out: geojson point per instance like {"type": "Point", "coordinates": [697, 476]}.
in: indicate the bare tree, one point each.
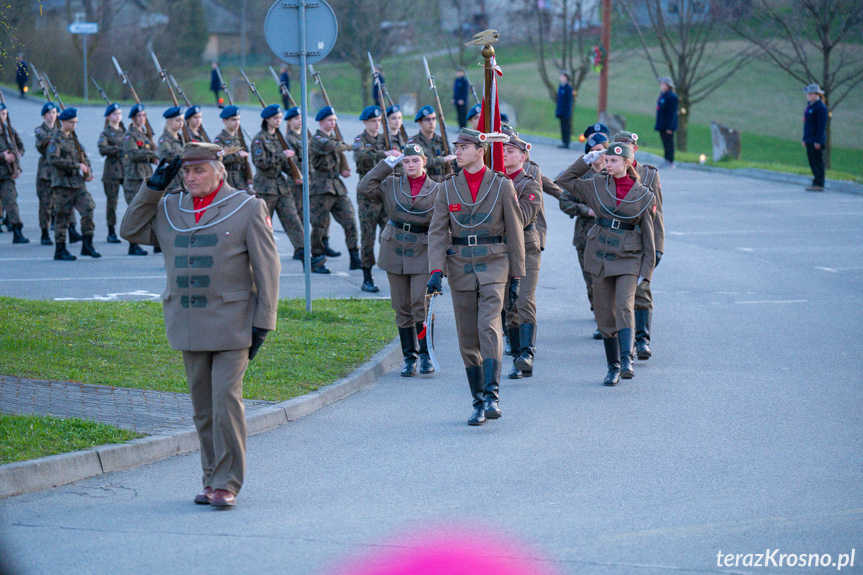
{"type": "Point", "coordinates": [818, 42]}
{"type": "Point", "coordinates": [686, 32]}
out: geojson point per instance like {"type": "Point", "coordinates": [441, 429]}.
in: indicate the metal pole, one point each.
{"type": "Point", "coordinates": [606, 44]}
{"type": "Point", "coordinates": [307, 227]}
{"type": "Point", "coordinates": [488, 54]}
{"type": "Point", "coordinates": [84, 40]}
{"type": "Point", "coordinates": [243, 26]}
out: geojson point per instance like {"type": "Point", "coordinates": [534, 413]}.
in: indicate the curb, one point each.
{"type": "Point", "coordinates": [46, 472]}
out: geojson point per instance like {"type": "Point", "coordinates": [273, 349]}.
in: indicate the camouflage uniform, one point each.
{"type": "Point", "coordinates": [398, 142]}
{"type": "Point", "coordinates": [583, 222]}
{"type": "Point", "coordinates": [43, 175]}
{"type": "Point", "coordinates": [433, 148]}
{"type": "Point", "coordinates": [8, 191]}
{"type": "Point", "coordinates": [139, 154]}
{"type": "Point", "coordinates": [368, 151]}
{"type": "Point", "coordinates": [272, 186]}
{"type": "Point", "coordinates": [170, 146]}
{"type": "Point", "coordinates": [234, 163]}
{"type": "Point", "coordinates": [111, 146]}
{"type": "Point", "coordinates": [68, 187]}
{"type": "Point", "coordinates": [327, 192]}
{"type": "Point", "coordinates": [295, 142]}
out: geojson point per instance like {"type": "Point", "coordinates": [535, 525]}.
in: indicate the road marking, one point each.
{"type": "Point", "coordinates": [13, 280]}
{"type": "Point", "coordinates": [748, 250]}
{"type": "Point", "coordinates": [831, 270]}
{"type": "Point", "coordinates": [110, 296]}
{"type": "Point", "coordinates": [772, 301]}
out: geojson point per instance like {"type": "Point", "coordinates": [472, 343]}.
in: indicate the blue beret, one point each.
{"type": "Point", "coordinates": [229, 112]}
{"type": "Point", "coordinates": [393, 109]}
{"type": "Point", "coordinates": [324, 112]}
{"type": "Point", "coordinates": [594, 139]}
{"type": "Point", "coordinates": [136, 109]}
{"type": "Point", "coordinates": [2, 106]}
{"type": "Point", "coordinates": [473, 112]}
{"type": "Point", "coordinates": [48, 107]}
{"type": "Point", "coordinates": [292, 112]}
{"type": "Point", "coordinates": [423, 112]}
{"type": "Point", "coordinates": [271, 111]}
{"type": "Point", "coordinates": [594, 128]}
{"type": "Point", "coordinates": [192, 110]}
{"type": "Point", "coordinates": [172, 112]}
{"type": "Point", "coordinates": [370, 113]}
{"type": "Point", "coordinates": [108, 111]}
{"type": "Point", "coordinates": [504, 118]}
{"type": "Point", "coordinates": [68, 114]}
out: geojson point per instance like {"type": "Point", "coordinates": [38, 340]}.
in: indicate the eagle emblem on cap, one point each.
{"type": "Point", "coordinates": [597, 127]}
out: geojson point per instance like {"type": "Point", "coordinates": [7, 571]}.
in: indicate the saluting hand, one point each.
{"type": "Point", "coordinates": [591, 157]}
{"type": "Point", "coordinates": [164, 174]}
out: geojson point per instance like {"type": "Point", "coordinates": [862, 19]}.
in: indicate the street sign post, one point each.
{"type": "Point", "coordinates": [302, 32]}
{"type": "Point", "coordinates": [85, 29]}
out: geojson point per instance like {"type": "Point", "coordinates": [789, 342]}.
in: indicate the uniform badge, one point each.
{"type": "Point", "coordinates": [52, 148]}
{"type": "Point", "coordinates": [455, 207]}
{"type": "Point", "coordinates": [269, 222]}
{"type": "Point", "coordinates": [140, 143]}
{"type": "Point", "coordinates": [654, 208]}
{"type": "Point", "coordinates": [531, 197]}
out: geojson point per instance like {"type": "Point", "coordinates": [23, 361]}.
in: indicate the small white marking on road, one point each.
{"type": "Point", "coordinates": [831, 270]}
{"type": "Point", "coordinates": [111, 296]}
{"type": "Point", "coordinates": [772, 301]}
{"type": "Point", "coordinates": [746, 250]}
{"type": "Point", "coordinates": [87, 279]}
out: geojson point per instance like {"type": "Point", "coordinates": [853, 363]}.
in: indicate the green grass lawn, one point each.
{"type": "Point", "coordinates": [28, 437]}
{"type": "Point", "coordinates": [124, 344]}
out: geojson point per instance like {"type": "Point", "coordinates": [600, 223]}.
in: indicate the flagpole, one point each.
{"type": "Point", "coordinates": [488, 55]}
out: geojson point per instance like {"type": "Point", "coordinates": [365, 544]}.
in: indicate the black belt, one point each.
{"type": "Point", "coordinates": [614, 224]}
{"type": "Point", "coordinates": [476, 240]}
{"type": "Point", "coordinates": [408, 227]}
{"type": "Point", "coordinates": [530, 227]}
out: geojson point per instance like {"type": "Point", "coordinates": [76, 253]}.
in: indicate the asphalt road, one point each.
{"type": "Point", "coordinates": [742, 434]}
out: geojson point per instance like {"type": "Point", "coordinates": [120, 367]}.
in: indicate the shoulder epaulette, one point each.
{"type": "Point", "coordinates": [501, 174]}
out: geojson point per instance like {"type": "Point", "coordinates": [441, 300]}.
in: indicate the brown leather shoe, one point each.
{"type": "Point", "coordinates": [204, 497]}
{"type": "Point", "coordinates": [222, 499]}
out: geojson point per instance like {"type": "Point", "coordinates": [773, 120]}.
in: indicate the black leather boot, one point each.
{"type": "Point", "coordinates": [369, 282]}
{"type": "Point", "coordinates": [597, 335]}
{"type": "Point", "coordinates": [515, 346]}
{"type": "Point", "coordinates": [19, 237]}
{"type": "Point", "coordinates": [356, 263]}
{"type": "Point", "coordinates": [136, 250]}
{"type": "Point", "coordinates": [62, 254]}
{"type": "Point", "coordinates": [426, 366]}
{"type": "Point", "coordinates": [642, 333]}
{"type": "Point", "coordinates": [299, 254]}
{"type": "Point", "coordinates": [46, 239]}
{"type": "Point", "coordinates": [491, 387]}
{"type": "Point", "coordinates": [625, 337]}
{"type": "Point", "coordinates": [474, 379]}
{"type": "Point", "coordinates": [612, 356]}
{"type": "Point", "coordinates": [410, 350]}
{"type": "Point", "coordinates": [74, 236]}
{"type": "Point", "coordinates": [87, 248]}
{"type": "Point", "coordinates": [527, 338]}
{"type": "Point", "coordinates": [157, 249]}
{"type": "Point", "coordinates": [328, 251]}
{"type": "Point", "coordinates": [507, 345]}
{"type": "Point", "coordinates": [318, 266]}
{"type": "Point", "coordinates": [112, 236]}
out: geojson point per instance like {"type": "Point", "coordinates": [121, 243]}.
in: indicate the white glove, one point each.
{"type": "Point", "coordinates": [393, 161]}
{"type": "Point", "coordinates": [591, 157]}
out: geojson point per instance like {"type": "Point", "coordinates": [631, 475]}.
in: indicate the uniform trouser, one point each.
{"type": "Point", "coordinates": [216, 385]}
{"type": "Point", "coordinates": [9, 200]}
{"type": "Point", "coordinates": [643, 296]}
{"type": "Point", "coordinates": [130, 188]}
{"type": "Point", "coordinates": [524, 310]}
{"type": "Point", "coordinates": [66, 200]}
{"type": "Point", "coordinates": [372, 215]}
{"type": "Point", "coordinates": [565, 130]}
{"type": "Point", "coordinates": [816, 163]}
{"type": "Point", "coordinates": [112, 191]}
{"type": "Point", "coordinates": [614, 303]}
{"type": "Point", "coordinates": [46, 202]}
{"type": "Point", "coordinates": [582, 226]}
{"type": "Point", "coordinates": [321, 206]}
{"type": "Point", "coordinates": [667, 144]}
{"type": "Point", "coordinates": [461, 112]}
{"type": "Point", "coordinates": [283, 205]}
{"type": "Point", "coordinates": [478, 322]}
{"type": "Point", "coordinates": [408, 296]}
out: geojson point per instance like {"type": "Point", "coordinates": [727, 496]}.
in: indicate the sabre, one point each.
{"type": "Point", "coordinates": [428, 327]}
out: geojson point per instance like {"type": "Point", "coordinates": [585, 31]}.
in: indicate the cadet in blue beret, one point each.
{"type": "Point", "coordinates": [50, 106]}
{"type": "Point", "coordinates": [292, 113]}
{"type": "Point", "coordinates": [10, 164]}
{"type": "Point", "coordinates": [172, 112]}
{"type": "Point", "coordinates": [2, 106]}
{"type": "Point", "coordinates": [171, 141]}
{"type": "Point", "coordinates": [504, 118]}
{"type": "Point", "coordinates": [111, 148]}
{"type": "Point", "coordinates": [473, 117]}
{"type": "Point", "coordinates": [398, 137]}
{"type": "Point", "coordinates": [67, 114]}
{"type": "Point", "coordinates": [136, 109]}
{"type": "Point", "coordinates": [229, 112]}
{"type": "Point", "coordinates": [111, 109]}
{"type": "Point", "coordinates": [393, 109]}
{"type": "Point", "coordinates": [594, 140]}
{"type": "Point", "coordinates": [594, 129]}
{"type": "Point", "coordinates": [195, 121]}
{"type": "Point", "coordinates": [369, 149]}
{"type": "Point", "coordinates": [44, 133]}
{"type": "Point", "coordinates": [423, 113]}
{"type": "Point", "coordinates": [139, 155]}
{"type": "Point", "coordinates": [324, 112]}
{"type": "Point", "coordinates": [370, 112]}
{"type": "Point", "coordinates": [237, 164]}
{"type": "Point", "coordinates": [269, 112]}
{"type": "Point", "coordinates": [431, 143]}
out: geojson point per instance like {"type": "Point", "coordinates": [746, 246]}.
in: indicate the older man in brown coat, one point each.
{"type": "Point", "coordinates": [221, 299]}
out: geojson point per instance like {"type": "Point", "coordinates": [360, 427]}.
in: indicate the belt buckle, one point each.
{"type": "Point", "coordinates": [615, 224]}
{"type": "Point", "coordinates": [406, 227]}
{"type": "Point", "coordinates": [472, 241]}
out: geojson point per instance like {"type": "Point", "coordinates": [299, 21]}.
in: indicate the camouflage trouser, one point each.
{"type": "Point", "coordinates": [322, 205]}
{"type": "Point", "coordinates": [112, 191]}
{"type": "Point", "coordinates": [582, 226]}
{"type": "Point", "coordinates": [66, 200]}
{"type": "Point", "coordinates": [372, 214]}
{"type": "Point", "coordinates": [130, 188]}
{"type": "Point", "coordinates": [46, 202]}
{"type": "Point", "coordinates": [297, 192]}
{"type": "Point", "coordinates": [9, 201]}
{"type": "Point", "coordinates": [643, 296]}
{"type": "Point", "coordinates": [283, 206]}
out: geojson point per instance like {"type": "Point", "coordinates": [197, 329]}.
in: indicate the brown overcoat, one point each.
{"type": "Point", "coordinates": [650, 177]}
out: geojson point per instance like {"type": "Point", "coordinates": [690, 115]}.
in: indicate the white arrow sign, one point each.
{"type": "Point", "coordinates": [84, 27]}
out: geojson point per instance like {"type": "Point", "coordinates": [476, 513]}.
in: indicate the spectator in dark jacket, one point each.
{"type": "Point", "coordinates": [815, 135]}
{"type": "Point", "coordinates": [22, 74]}
{"type": "Point", "coordinates": [564, 108]}
{"type": "Point", "coordinates": [285, 78]}
{"type": "Point", "coordinates": [215, 85]}
{"type": "Point", "coordinates": [460, 90]}
{"type": "Point", "coordinates": [666, 118]}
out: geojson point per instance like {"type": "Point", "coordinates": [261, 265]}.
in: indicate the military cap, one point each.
{"type": "Point", "coordinates": [518, 143]}
{"type": "Point", "coordinates": [666, 80]}
{"type": "Point", "coordinates": [393, 109]}
{"type": "Point", "coordinates": [413, 150]}
{"type": "Point", "coordinates": [508, 130]}
{"type": "Point", "coordinates": [423, 112]}
{"type": "Point", "coordinates": [324, 113]}
{"type": "Point", "coordinates": [192, 110]}
{"type": "Point", "coordinates": [594, 139]}
{"type": "Point", "coordinates": [292, 112]}
{"type": "Point", "coordinates": [68, 114]}
{"type": "Point", "coordinates": [626, 137]}
{"type": "Point", "coordinates": [136, 109]}
{"type": "Point", "coordinates": [229, 112]}
{"type": "Point", "coordinates": [50, 106]}
{"type": "Point", "coordinates": [813, 89]}
{"type": "Point", "coordinates": [620, 149]}
{"type": "Point", "coordinates": [474, 111]}
{"type": "Point", "coordinates": [108, 111]}
{"type": "Point", "coordinates": [195, 153]}
{"type": "Point", "coordinates": [597, 127]}
{"type": "Point", "coordinates": [271, 111]}
{"type": "Point", "coordinates": [370, 112]}
{"type": "Point", "coordinates": [172, 112]}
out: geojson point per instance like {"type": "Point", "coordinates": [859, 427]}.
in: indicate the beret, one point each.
{"type": "Point", "coordinates": [324, 113]}
{"type": "Point", "coordinates": [370, 113]}
{"type": "Point", "coordinates": [2, 106]}
{"type": "Point", "coordinates": [504, 118]}
{"type": "Point", "coordinates": [423, 113]}
{"type": "Point", "coordinates": [136, 109]}
{"type": "Point", "coordinates": [108, 111]}
{"type": "Point", "coordinates": [593, 140]}
{"type": "Point", "coordinates": [292, 112]}
{"type": "Point", "coordinates": [473, 112]}
{"type": "Point", "coordinates": [50, 106]}
{"type": "Point", "coordinates": [192, 110]}
{"type": "Point", "coordinates": [229, 112]}
{"type": "Point", "coordinates": [172, 112]}
{"type": "Point", "coordinates": [68, 114]}
{"type": "Point", "coordinates": [271, 111]}
{"type": "Point", "coordinates": [594, 128]}
{"type": "Point", "coordinates": [393, 109]}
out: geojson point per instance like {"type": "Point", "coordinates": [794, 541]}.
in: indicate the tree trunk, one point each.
{"type": "Point", "coordinates": [682, 123]}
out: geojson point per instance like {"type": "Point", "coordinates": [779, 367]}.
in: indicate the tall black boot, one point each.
{"type": "Point", "coordinates": [87, 248]}
{"type": "Point", "coordinates": [642, 333]}
{"type": "Point", "coordinates": [62, 254]}
{"type": "Point", "coordinates": [46, 239]}
{"type": "Point", "coordinates": [19, 237]}
{"type": "Point", "coordinates": [612, 356]}
{"type": "Point", "coordinates": [356, 263]}
{"type": "Point", "coordinates": [625, 337]}
{"type": "Point", "coordinates": [491, 387]}
{"type": "Point", "coordinates": [474, 379]}
{"type": "Point", "coordinates": [515, 346]}
{"type": "Point", "coordinates": [328, 251]}
{"type": "Point", "coordinates": [527, 337]}
{"type": "Point", "coordinates": [136, 250]}
{"type": "Point", "coordinates": [410, 350]}
{"type": "Point", "coordinates": [369, 282]}
{"type": "Point", "coordinates": [74, 236]}
{"type": "Point", "coordinates": [426, 366]}
{"type": "Point", "coordinates": [112, 236]}
{"type": "Point", "coordinates": [507, 345]}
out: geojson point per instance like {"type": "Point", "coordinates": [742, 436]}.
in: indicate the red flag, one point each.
{"type": "Point", "coordinates": [496, 147]}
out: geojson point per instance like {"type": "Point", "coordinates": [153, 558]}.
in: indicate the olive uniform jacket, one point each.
{"type": "Point", "coordinates": [170, 146]}
{"type": "Point", "coordinates": [368, 151]}
{"type": "Point", "coordinates": [139, 153]}
{"type": "Point", "coordinates": [650, 177]}
{"type": "Point", "coordinates": [234, 163]}
{"type": "Point", "coordinates": [325, 159]}
{"type": "Point", "coordinates": [495, 213]}
{"type": "Point", "coordinates": [530, 202]}
{"type": "Point", "coordinates": [64, 158]}
{"type": "Point", "coordinates": [609, 251]}
{"type": "Point", "coordinates": [223, 272]}
{"type": "Point", "coordinates": [402, 251]}
{"type": "Point", "coordinates": [111, 146]}
{"type": "Point", "coordinates": [5, 168]}
{"type": "Point", "coordinates": [43, 137]}
{"type": "Point", "coordinates": [270, 163]}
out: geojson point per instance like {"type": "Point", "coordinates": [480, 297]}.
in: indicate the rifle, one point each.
{"type": "Point", "coordinates": [188, 105]}
{"type": "Point", "coordinates": [125, 77]}
{"type": "Point", "coordinates": [107, 100]}
{"type": "Point", "coordinates": [385, 124]}
{"type": "Point", "coordinates": [185, 135]}
{"type": "Point", "coordinates": [386, 95]}
{"type": "Point", "coordinates": [10, 140]}
{"type": "Point", "coordinates": [247, 167]}
{"type": "Point", "coordinates": [472, 89]}
{"type": "Point", "coordinates": [433, 88]}
{"type": "Point", "coordinates": [81, 153]}
{"type": "Point", "coordinates": [343, 161]}
{"type": "Point", "coordinates": [285, 92]}
{"type": "Point", "coordinates": [295, 170]}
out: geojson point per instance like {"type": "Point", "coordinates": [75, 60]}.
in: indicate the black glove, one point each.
{"type": "Point", "coordinates": [658, 257]}
{"type": "Point", "coordinates": [258, 337]}
{"type": "Point", "coordinates": [513, 291]}
{"type": "Point", "coordinates": [435, 284]}
{"type": "Point", "coordinates": [164, 174]}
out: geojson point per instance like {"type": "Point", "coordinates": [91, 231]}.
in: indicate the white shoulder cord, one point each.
{"type": "Point", "coordinates": [487, 216]}
{"type": "Point", "coordinates": [615, 214]}
{"type": "Point", "coordinates": [401, 191]}
{"type": "Point", "coordinates": [211, 224]}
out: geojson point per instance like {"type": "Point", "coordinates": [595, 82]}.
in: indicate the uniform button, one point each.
{"type": "Point", "coordinates": [192, 282]}
{"type": "Point", "coordinates": [191, 261]}
{"type": "Point", "coordinates": [192, 241]}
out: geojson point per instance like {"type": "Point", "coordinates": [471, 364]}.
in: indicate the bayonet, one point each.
{"type": "Point", "coordinates": [343, 160]}
{"type": "Point", "coordinates": [41, 82]}
{"type": "Point", "coordinates": [441, 121]}
{"type": "Point", "coordinates": [387, 97]}
{"type": "Point", "coordinates": [385, 127]}
{"type": "Point", "coordinates": [125, 77]}
{"type": "Point", "coordinates": [224, 86]}
{"type": "Point", "coordinates": [101, 91]}
{"type": "Point", "coordinates": [119, 69]}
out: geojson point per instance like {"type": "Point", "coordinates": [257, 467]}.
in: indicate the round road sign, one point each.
{"type": "Point", "coordinates": [282, 30]}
